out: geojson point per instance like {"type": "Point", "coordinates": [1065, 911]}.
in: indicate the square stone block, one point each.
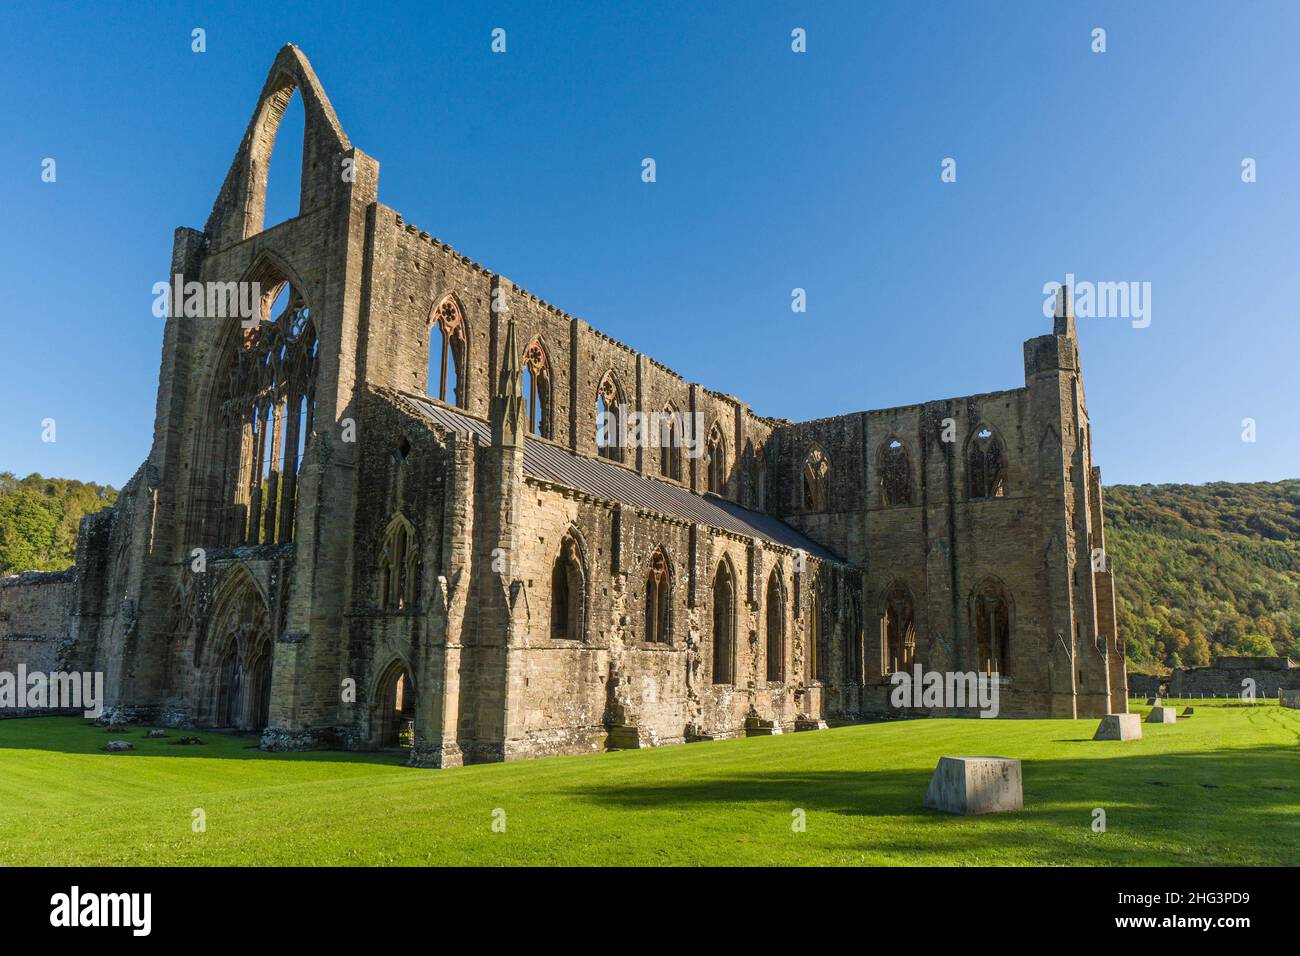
{"type": "Point", "coordinates": [1162, 715]}
{"type": "Point", "coordinates": [972, 785]}
{"type": "Point", "coordinates": [1119, 727]}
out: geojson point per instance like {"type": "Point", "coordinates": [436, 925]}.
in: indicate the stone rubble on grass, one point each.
{"type": "Point", "coordinates": [119, 746]}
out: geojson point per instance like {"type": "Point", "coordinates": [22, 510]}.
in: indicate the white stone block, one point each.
{"type": "Point", "coordinates": [971, 785]}
{"type": "Point", "coordinates": [1119, 727]}
{"type": "Point", "coordinates": [1162, 715]}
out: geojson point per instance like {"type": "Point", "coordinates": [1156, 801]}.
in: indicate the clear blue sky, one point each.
{"type": "Point", "coordinates": [775, 171]}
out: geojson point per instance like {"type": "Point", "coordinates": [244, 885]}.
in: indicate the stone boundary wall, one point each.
{"type": "Point", "coordinates": [35, 616]}
{"type": "Point", "coordinates": [1224, 677]}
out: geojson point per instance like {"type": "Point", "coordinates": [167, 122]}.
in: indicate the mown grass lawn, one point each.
{"type": "Point", "coordinates": [1222, 787]}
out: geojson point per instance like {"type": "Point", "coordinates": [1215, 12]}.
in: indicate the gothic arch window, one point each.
{"type": "Point", "coordinates": [609, 418]}
{"type": "Point", "coordinates": [815, 473]}
{"type": "Point", "coordinates": [537, 389]}
{"type": "Point", "coordinates": [717, 458]}
{"type": "Point", "coordinates": [897, 631]}
{"type": "Point", "coordinates": [818, 637]}
{"type": "Point", "coordinates": [724, 624]}
{"type": "Point", "coordinates": [568, 592]}
{"type": "Point", "coordinates": [991, 613]}
{"type": "Point", "coordinates": [895, 473]}
{"type": "Point", "coordinates": [853, 657]}
{"type": "Point", "coordinates": [775, 624]}
{"type": "Point", "coordinates": [658, 600]}
{"type": "Point", "coordinates": [670, 445]}
{"type": "Point", "coordinates": [397, 566]}
{"type": "Point", "coordinates": [986, 465]}
{"type": "Point", "coordinates": [264, 414]}
{"type": "Point", "coordinates": [448, 351]}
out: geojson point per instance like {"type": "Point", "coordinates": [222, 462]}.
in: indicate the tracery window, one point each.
{"type": "Point", "coordinates": [609, 411]}
{"type": "Point", "coordinates": [992, 625]}
{"type": "Point", "coordinates": [986, 465]}
{"type": "Point", "coordinates": [898, 631]}
{"type": "Point", "coordinates": [895, 473]}
{"type": "Point", "coordinates": [537, 389]}
{"type": "Point", "coordinates": [814, 475]}
{"type": "Point", "coordinates": [397, 562]}
{"type": "Point", "coordinates": [266, 416]}
{"type": "Point", "coordinates": [448, 348]}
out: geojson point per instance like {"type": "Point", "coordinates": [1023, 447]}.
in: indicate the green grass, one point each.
{"type": "Point", "coordinates": [1222, 787]}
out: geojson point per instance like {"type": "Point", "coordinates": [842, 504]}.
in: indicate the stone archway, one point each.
{"type": "Point", "coordinates": [393, 709]}
{"type": "Point", "coordinates": [237, 668]}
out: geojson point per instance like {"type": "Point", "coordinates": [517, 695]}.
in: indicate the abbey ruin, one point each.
{"type": "Point", "coordinates": [392, 510]}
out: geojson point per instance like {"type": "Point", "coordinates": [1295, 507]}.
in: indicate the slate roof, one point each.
{"type": "Point", "coordinates": [603, 479]}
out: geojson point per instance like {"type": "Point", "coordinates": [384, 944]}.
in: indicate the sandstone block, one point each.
{"type": "Point", "coordinates": [1119, 727]}
{"type": "Point", "coordinates": [1162, 715]}
{"type": "Point", "coordinates": [973, 785]}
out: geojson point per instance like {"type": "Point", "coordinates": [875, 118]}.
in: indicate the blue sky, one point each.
{"type": "Point", "coordinates": [775, 170]}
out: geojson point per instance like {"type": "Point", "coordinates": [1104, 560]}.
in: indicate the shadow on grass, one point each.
{"type": "Point", "coordinates": [1230, 808]}
{"type": "Point", "coordinates": [75, 735]}
{"type": "Point", "coordinates": [1188, 796]}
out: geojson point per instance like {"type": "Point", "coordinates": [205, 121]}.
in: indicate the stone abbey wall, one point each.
{"type": "Point", "coordinates": [409, 574]}
{"type": "Point", "coordinates": [35, 619]}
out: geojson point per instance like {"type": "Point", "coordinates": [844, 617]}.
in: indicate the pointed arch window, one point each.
{"type": "Point", "coordinates": [986, 465]}
{"type": "Point", "coordinates": [775, 623]}
{"type": "Point", "coordinates": [670, 445]}
{"type": "Point", "coordinates": [897, 631]}
{"type": "Point", "coordinates": [658, 600]}
{"type": "Point", "coordinates": [264, 415]}
{"type": "Point", "coordinates": [724, 625]}
{"type": "Point", "coordinates": [448, 351]}
{"type": "Point", "coordinates": [537, 389]}
{"type": "Point", "coordinates": [816, 470]}
{"type": "Point", "coordinates": [991, 610]}
{"type": "Point", "coordinates": [818, 638]}
{"type": "Point", "coordinates": [853, 648]}
{"type": "Point", "coordinates": [609, 425]}
{"type": "Point", "coordinates": [717, 458]}
{"type": "Point", "coordinates": [397, 561]}
{"type": "Point", "coordinates": [568, 592]}
{"type": "Point", "coordinates": [895, 473]}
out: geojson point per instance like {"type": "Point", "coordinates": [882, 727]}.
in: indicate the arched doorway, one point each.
{"type": "Point", "coordinates": [239, 662]}
{"type": "Point", "coordinates": [394, 719]}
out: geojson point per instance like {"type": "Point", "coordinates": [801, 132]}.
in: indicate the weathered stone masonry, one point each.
{"type": "Point", "coordinates": [334, 543]}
